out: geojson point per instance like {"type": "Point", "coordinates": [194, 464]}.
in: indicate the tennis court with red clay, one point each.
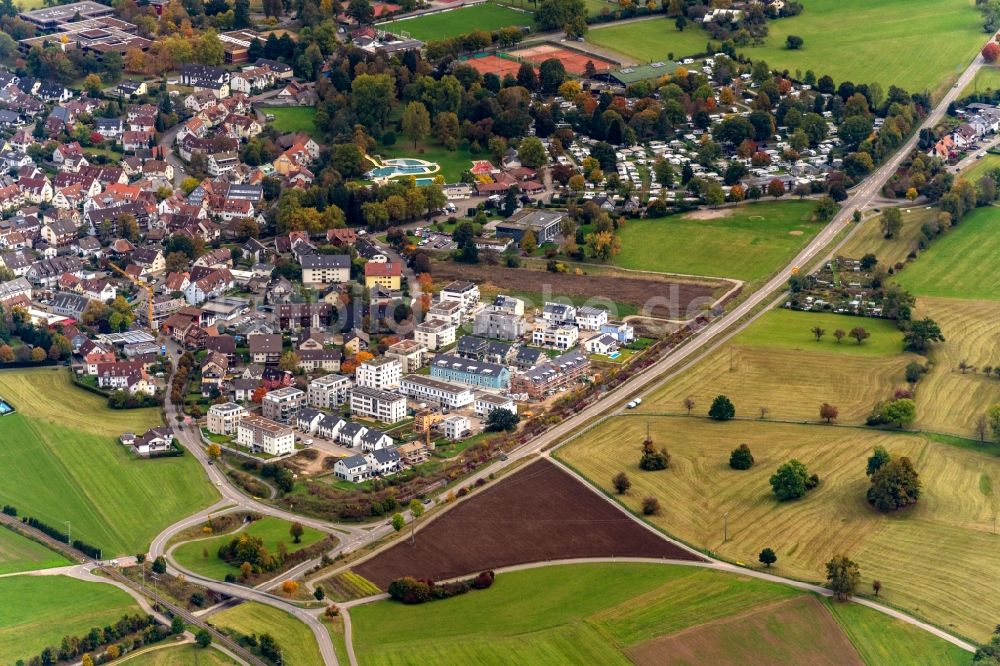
{"type": "Point", "coordinates": [574, 61]}
{"type": "Point", "coordinates": [492, 64]}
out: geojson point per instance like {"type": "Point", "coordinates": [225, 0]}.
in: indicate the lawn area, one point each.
{"type": "Point", "coordinates": [981, 167]}
{"type": "Point", "coordinates": [180, 655]}
{"type": "Point", "coordinates": [37, 611]}
{"type": "Point", "coordinates": [951, 523]}
{"type": "Point", "coordinates": [747, 243]}
{"type": "Point", "coordinates": [273, 531]}
{"type": "Point", "coordinates": [289, 119]}
{"type": "Point", "coordinates": [602, 614]}
{"type": "Point", "coordinates": [456, 22]}
{"type": "Point", "coordinates": [649, 41]}
{"type": "Point", "coordinates": [296, 641]}
{"type": "Point", "coordinates": [889, 251]}
{"type": "Point", "coordinates": [949, 400]}
{"type": "Point", "coordinates": [987, 78]}
{"type": "Point", "coordinates": [594, 7]}
{"type": "Point", "coordinates": [452, 162]}
{"type": "Point", "coordinates": [960, 264]}
{"type": "Point", "coordinates": [775, 362]}
{"type": "Point", "coordinates": [791, 329]}
{"type": "Point", "coordinates": [61, 460]}
{"type": "Point", "coordinates": [19, 553]}
{"type": "Point", "coordinates": [843, 38]}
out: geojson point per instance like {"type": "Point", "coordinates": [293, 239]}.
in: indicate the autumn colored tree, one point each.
{"type": "Point", "coordinates": [776, 188]}
{"type": "Point", "coordinates": [289, 587]}
{"type": "Point", "coordinates": [258, 395]}
{"type": "Point", "coordinates": [991, 52]}
{"type": "Point", "coordinates": [828, 412]}
{"type": "Point", "coordinates": [214, 451]}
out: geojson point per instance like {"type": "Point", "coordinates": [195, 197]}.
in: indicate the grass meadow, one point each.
{"type": "Point", "coordinates": [61, 461]}
{"type": "Point", "coordinates": [607, 614]}
{"type": "Point", "coordinates": [456, 22]}
{"type": "Point", "coordinates": [180, 655]}
{"type": "Point", "coordinates": [777, 363]}
{"type": "Point", "coordinates": [961, 263]}
{"type": "Point", "coordinates": [37, 611]}
{"type": "Point", "coordinates": [747, 243]}
{"type": "Point", "coordinates": [888, 251]}
{"type": "Point", "coordinates": [19, 553]}
{"type": "Point", "coordinates": [953, 521]}
{"type": "Point", "coordinates": [191, 555]}
{"type": "Point", "coordinates": [296, 641]}
{"type": "Point", "coordinates": [847, 39]}
{"type": "Point", "coordinates": [288, 119]}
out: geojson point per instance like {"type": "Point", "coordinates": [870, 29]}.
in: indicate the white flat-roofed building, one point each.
{"type": "Point", "coordinates": [225, 418]}
{"type": "Point", "coordinates": [320, 270]}
{"type": "Point", "coordinates": [283, 404]}
{"type": "Point", "coordinates": [591, 319]}
{"type": "Point", "coordinates": [379, 405]}
{"type": "Point", "coordinates": [555, 337]}
{"type": "Point", "coordinates": [409, 353]}
{"type": "Point", "coordinates": [435, 334]}
{"type": "Point", "coordinates": [447, 311]}
{"type": "Point", "coordinates": [434, 391]}
{"type": "Point", "coordinates": [455, 427]}
{"type": "Point", "coordinates": [328, 391]}
{"type": "Point", "coordinates": [487, 402]}
{"type": "Point", "coordinates": [379, 373]}
{"type": "Point", "coordinates": [260, 434]}
{"type": "Point", "coordinates": [462, 292]}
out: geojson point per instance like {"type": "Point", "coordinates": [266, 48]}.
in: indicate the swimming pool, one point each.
{"type": "Point", "coordinates": [5, 407]}
{"type": "Point", "coordinates": [424, 182]}
{"type": "Point", "coordinates": [401, 166]}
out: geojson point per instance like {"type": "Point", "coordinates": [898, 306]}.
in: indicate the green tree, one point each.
{"type": "Point", "coordinates": [446, 129]}
{"type": "Point", "coordinates": [791, 481]}
{"type": "Point", "coordinates": [895, 485]}
{"type": "Point", "coordinates": [531, 152]}
{"type": "Point", "coordinates": [416, 508]}
{"type": "Point", "coordinates": [556, 14]}
{"type": "Point", "coordinates": [653, 460]}
{"type": "Point", "coordinates": [722, 409]}
{"type": "Point", "coordinates": [296, 531]}
{"type": "Point", "coordinates": [372, 96]}
{"type": "Point", "coordinates": [891, 221]}
{"type": "Point", "coordinates": [289, 361]}
{"type": "Point", "coordinates": [741, 458]}
{"type": "Point", "coordinates": [416, 122]}
{"type": "Point", "coordinates": [843, 576]}
{"type": "Point", "coordinates": [241, 14]}
{"type": "Point", "coordinates": [794, 42]}
{"type": "Point", "coordinates": [318, 594]}
{"type": "Point", "coordinates": [551, 74]}
{"type": "Point", "coordinates": [877, 459]}
{"type": "Point", "coordinates": [528, 243]}
{"type": "Point", "coordinates": [860, 334]}
{"type": "Point", "coordinates": [159, 565]}
{"type": "Point", "coordinates": [177, 625]}
{"type": "Point", "coordinates": [920, 334]}
{"type": "Point", "coordinates": [501, 419]}
{"type": "Point", "coordinates": [361, 11]}
{"type": "Point", "coordinates": [767, 557]}
{"type": "Point", "coordinates": [203, 638]}
{"type": "Point", "coordinates": [899, 412]}
{"type": "Point", "coordinates": [398, 522]}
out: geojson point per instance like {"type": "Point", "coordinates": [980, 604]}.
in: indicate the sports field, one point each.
{"type": "Point", "coordinates": [192, 555]}
{"type": "Point", "coordinates": [846, 39]}
{"type": "Point", "coordinates": [492, 64]}
{"type": "Point", "coordinates": [456, 22]}
{"type": "Point", "coordinates": [616, 614]}
{"type": "Point", "coordinates": [61, 461]}
{"type": "Point", "coordinates": [777, 364]}
{"type": "Point", "coordinates": [952, 523]}
{"type": "Point", "coordinates": [180, 655]}
{"type": "Point", "coordinates": [18, 553]}
{"type": "Point", "coordinates": [296, 641]}
{"type": "Point", "coordinates": [962, 263]}
{"type": "Point", "coordinates": [37, 611]}
{"type": "Point", "coordinates": [747, 243]}
{"type": "Point", "coordinates": [574, 61]}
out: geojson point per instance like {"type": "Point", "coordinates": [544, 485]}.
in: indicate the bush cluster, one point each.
{"type": "Point", "coordinates": [409, 590]}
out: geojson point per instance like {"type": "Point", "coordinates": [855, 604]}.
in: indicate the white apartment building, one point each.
{"type": "Point", "coordinates": [434, 334]}
{"type": "Point", "coordinates": [379, 373]}
{"type": "Point", "coordinates": [328, 391]}
{"type": "Point", "coordinates": [371, 403]}
{"type": "Point", "coordinates": [454, 427]}
{"type": "Point", "coordinates": [223, 419]}
{"type": "Point", "coordinates": [555, 337]}
{"type": "Point", "coordinates": [591, 319]}
{"type": "Point", "coordinates": [260, 434]}
{"type": "Point", "coordinates": [462, 292]}
{"type": "Point", "coordinates": [446, 311]}
{"type": "Point", "coordinates": [436, 392]}
{"type": "Point", "coordinates": [487, 402]}
{"type": "Point", "coordinates": [282, 405]}
{"type": "Point", "coordinates": [320, 270]}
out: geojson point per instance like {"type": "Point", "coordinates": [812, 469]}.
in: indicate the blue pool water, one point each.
{"type": "Point", "coordinates": [381, 172]}
{"type": "Point", "coordinates": [406, 161]}
{"type": "Point", "coordinates": [424, 182]}
{"type": "Point", "coordinates": [5, 408]}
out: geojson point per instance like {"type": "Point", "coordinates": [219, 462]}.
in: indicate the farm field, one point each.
{"type": "Point", "coordinates": [777, 364]}
{"type": "Point", "coordinates": [456, 22]}
{"type": "Point", "coordinates": [181, 655]}
{"type": "Point", "coordinates": [960, 264]}
{"type": "Point", "coordinates": [949, 400]}
{"type": "Point", "coordinates": [888, 251]}
{"type": "Point", "coordinates": [649, 296]}
{"type": "Point", "coordinates": [843, 38]}
{"type": "Point", "coordinates": [288, 119]}
{"type": "Point", "coordinates": [296, 641]}
{"type": "Point", "coordinates": [273, 531]}
{"type": "Point", "coordinates": [649, 41]}
{"type": "Point", "coordinates": [614, 614]}
{"type": "Point", "coordinates": [987, 78]}
{"type": "Point", "coordinates": [538, 513]}
{"type": "Point", "coordinates": [61, 461]}
{"type": "Point", "coordinates": [952, 522]}
{"type": "Point", "coordinates": [747, 243]}
{"type": "Point", "coordinates": [37, 611]}
{"type": "Point", "coordinates": [19, 553]}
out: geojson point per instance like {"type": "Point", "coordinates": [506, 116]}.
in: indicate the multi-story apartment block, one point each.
{"type": "Point", "coordinates": [379, 405]}
{"type": "Point", "coordinates": [260, 434]}
{"type": "Point", "coordinates": [283, 404]}
{"type": "Point", "coordinates": [328, 391]}
{"type": "Point", "coordinates": [379, 373]}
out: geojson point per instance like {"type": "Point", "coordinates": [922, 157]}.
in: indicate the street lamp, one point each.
{"type": "Point", "coordinates": [725, 528]}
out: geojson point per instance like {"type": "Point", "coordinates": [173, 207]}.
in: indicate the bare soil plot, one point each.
{"type": "Point", "coordinates": [539, 513]}
{"type": "Point", "coordinates": [797, 631]}
{"type": "Point", "coordinates": [665, 299]}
